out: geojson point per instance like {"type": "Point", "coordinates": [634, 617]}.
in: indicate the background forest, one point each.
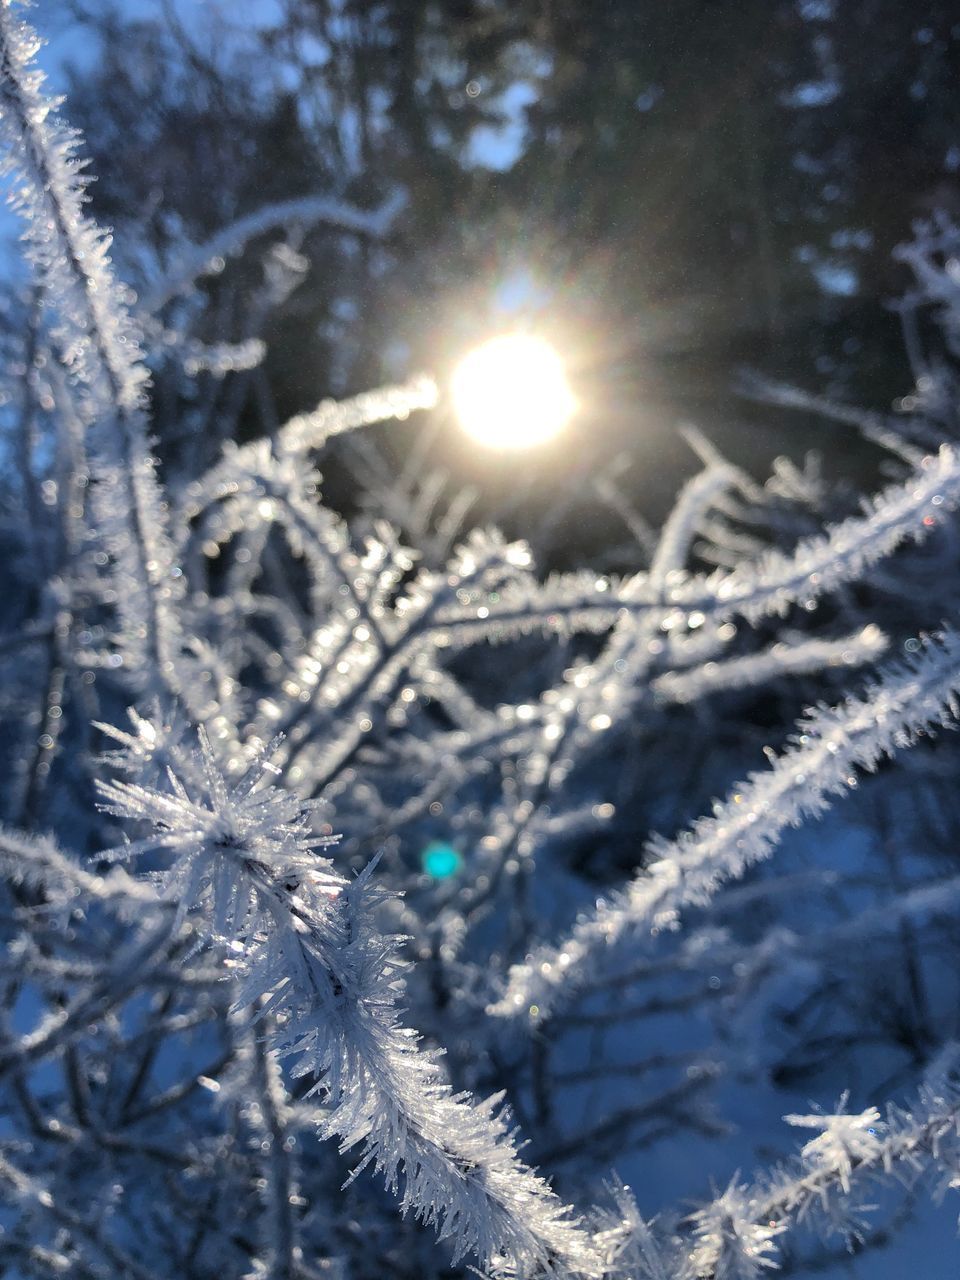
{"type": "Point", "coordinates": [676, 191]}
{"type": "Point", "coordinates": [501, 684]}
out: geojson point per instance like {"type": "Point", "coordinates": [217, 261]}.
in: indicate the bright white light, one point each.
{"type": "Point", "coordinates": [512, 392]}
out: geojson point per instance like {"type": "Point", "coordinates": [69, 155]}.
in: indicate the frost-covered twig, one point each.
{"type": "Point", "coordinates": [309, 945]}
{"type": "Point", "coordinates": [841, 554]}
{"type": "Point", "coordinates": [305, 211]}
{"type": "Point", "coordinates": [740, 1232]}
{"type": "Point", "coordinates": [781, 660]}
{"type": "Point", "coordinates": [310, 431]}
{"type": "Point", "coordinates": [904, 703]}
{"type": "Point", "coordinates": [696, 498]}
{"type": "Point", "coordinates": [884, 430]}
{"type": "Point", "coordinates": [37, 863]}
{"type": "Point", "coordinates": [100, 343]}
{"type": "Point", "coordinates": [94, 1248]}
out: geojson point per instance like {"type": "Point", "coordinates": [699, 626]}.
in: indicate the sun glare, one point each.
{"type": "Point", "coordinates": [512, 392]}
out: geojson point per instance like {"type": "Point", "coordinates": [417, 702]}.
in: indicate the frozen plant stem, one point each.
{"type": "Point", "coordinates": [907, 700]}
{"type": "Point", "coordinates": [100, 344]}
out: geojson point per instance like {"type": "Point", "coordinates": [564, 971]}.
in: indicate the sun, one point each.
{"type": "Point", "coordinates": [512, 392]}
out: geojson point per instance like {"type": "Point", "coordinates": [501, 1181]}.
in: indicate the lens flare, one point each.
{"type": "Point", "coordinates": [512, 392]}
{"type": "Point", "coordinates": [440, 861]}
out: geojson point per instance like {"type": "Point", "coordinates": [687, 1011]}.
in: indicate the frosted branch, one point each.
{"type": "Point", "coordinates": [305, 211]}
{"type": "Point", "coordinates": [743, 830]}
{"type": "Point", "coordinates": [100, 344]}
{"type": "Point", "coordinates": [310, 948]}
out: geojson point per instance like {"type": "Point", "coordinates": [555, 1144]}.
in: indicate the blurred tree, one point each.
{"type": "Point", "coordinates": [680, 188]}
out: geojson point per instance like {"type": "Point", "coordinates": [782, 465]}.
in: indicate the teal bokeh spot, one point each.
{"type": "Point", "coordinates": [440, 861]}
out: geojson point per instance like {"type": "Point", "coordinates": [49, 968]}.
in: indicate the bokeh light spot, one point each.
{"type": "Point", "coordinates": [441, 861]}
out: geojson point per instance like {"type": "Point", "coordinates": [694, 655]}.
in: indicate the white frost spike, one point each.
{"type": "Point", "coordinates": [846, 1140]}
{"type": "Point", "coordinates": [630, 1248]}
{"type": "Point", "coordinates": [729, 1244]}
{"type": "Point", "coordinates": [222, 837]}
